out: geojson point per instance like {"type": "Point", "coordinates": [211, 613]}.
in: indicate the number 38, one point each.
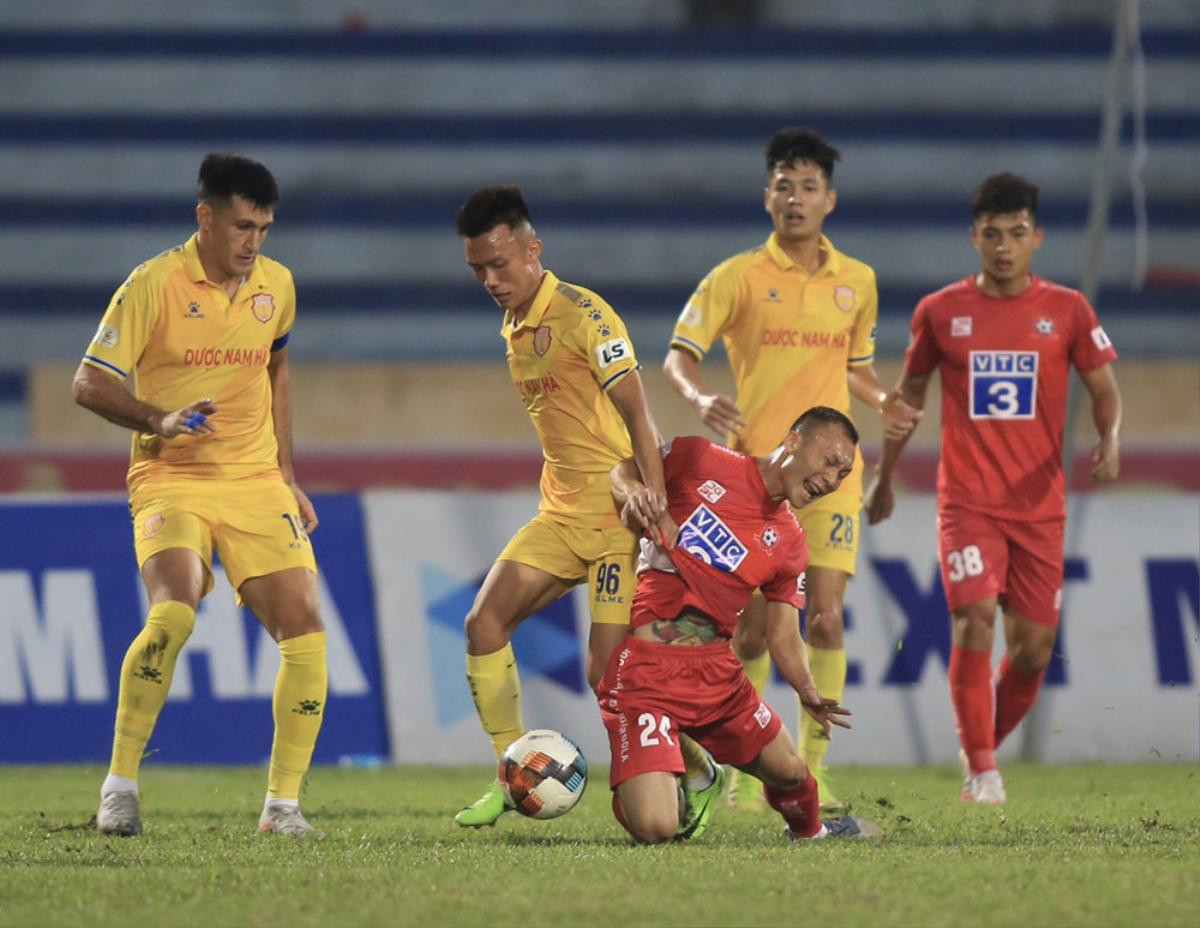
{"type": "Point", "coordinates": [965, 563]}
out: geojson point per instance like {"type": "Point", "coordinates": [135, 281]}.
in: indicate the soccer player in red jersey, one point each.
{"type": "Point", "coordinates": [1004, 341]}
{"type": "Point", "coordinates": [725, 529]}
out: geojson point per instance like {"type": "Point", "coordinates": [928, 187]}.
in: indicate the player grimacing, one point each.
{"type": "Point", "coordinates": [574, 367]}
{"type": "Point", "coordinates": [203, 329]}
{"type": "Point", "coordinates": [1004, 341]}
{"type": "Point", "coordinates": [798, 321]}
{"type": "Point", "coordinates": [726, 529]}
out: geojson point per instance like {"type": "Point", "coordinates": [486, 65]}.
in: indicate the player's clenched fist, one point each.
{"type": "Point", "coordinates": [191, 420]}
{"type": "Point", "coordinates": [646, 510]}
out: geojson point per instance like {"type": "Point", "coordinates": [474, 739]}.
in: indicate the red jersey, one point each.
{"type": "Point", "coordinates": [1005, 366]}
{"type": "Point", "coordinates": [733, 539]}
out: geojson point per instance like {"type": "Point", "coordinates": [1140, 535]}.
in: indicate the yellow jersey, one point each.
{"type": "Point", "coordinates": [182, 339]}
{"type": "Point", "coordinates": [789, 335]}
{"type": "Point", "coordinates": [564, 356]}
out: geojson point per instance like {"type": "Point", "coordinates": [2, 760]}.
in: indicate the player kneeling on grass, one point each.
{"type": "Point", "coordinates": [725, 529]}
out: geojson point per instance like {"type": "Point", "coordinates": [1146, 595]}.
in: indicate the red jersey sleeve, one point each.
{"type": "Point", "coordinates": [787, 586]}
{"type": "Point", "coordinates": [923, 352]}
{"type": "Point", "coordinates": [1090, 345]}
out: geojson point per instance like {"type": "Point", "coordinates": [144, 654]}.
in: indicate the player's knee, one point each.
{"type": "Point", "coordinates": [653, 825]}
{"type": "Point", "coordinates": [1032, 657]}
{"type": "Point", "coordinates": [825, 617]}
{"type": "Point", "coordinates": [790, 772]}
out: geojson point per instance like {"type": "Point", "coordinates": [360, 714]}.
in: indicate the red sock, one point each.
{"type": "Point", "coordinates": [620, 813]}
{"type": "Point", "coordinates": [800, 806]}
{"type": "Point", "coordinates": [974, 705]}
{"type": "Point", "coordinates": [1016, 692]}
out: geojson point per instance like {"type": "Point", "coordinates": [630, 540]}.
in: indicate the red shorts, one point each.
{"type": "Point", "coordinates": [1020, 563]}
{"type": "Point", "coordinates": [652, 692]}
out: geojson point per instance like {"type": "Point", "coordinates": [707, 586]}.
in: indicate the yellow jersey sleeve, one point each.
{"type": "Point", "coordinates": [601, 337]}
{"type": "Point", "coordinates": [126, 325]}
{"type": "Point", "coordinates": [866, 320]}
{"type": "Point", "coordinates": [287, 313]}
{"type": "Point", "coordinates": [710, 311]}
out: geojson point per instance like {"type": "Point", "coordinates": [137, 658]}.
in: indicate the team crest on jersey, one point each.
{"type": "Point", "coordinates": [705, 537]}
{"type": "Point", "coordinates": [542, 339]}
{"type": "Point", "coordinates": [193, 311]}
{"type": "Point", "coordinates": [263, 307]}
{"type": "Point", "coordinates": [960, 327]}
{"type": "Point", "coordinates": [843, 296]}
{"type": "Point", "coordinates": [1044, 326]}
{"type": "Point", "coordinates": [769, 537]}
{"type": "Point", "coordinates": [772, 295]}
{"type": "Point", "coordinates": [153, 525]}
{"type": "Point", "coordinates": [711, 490]}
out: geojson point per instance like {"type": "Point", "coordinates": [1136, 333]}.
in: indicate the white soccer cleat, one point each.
{"type": "Point", "coordinates": [119, 814]}
{"type": "Point", "coordinates": [284, 820]}
{"type": "Point", "coordinates": [987, 789]}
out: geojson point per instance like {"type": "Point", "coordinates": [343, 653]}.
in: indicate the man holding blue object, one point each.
{"type": "Point", "coordinates": [203, 328]}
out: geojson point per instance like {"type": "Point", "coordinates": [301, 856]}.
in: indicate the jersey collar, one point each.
{"type": "Point", "coordinates": [541, 302]}
{"type": "Point", "coordinates": [833, 257]}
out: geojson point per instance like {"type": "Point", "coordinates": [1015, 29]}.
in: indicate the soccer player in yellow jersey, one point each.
{"type": "Point", "coordinates": [798, 321]}
{"type": "Point", "coordinates": [201, 333]}
{"type": "Point", "coordinates": [574, 367]}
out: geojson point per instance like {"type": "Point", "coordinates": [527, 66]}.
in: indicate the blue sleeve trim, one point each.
{"type": "Point", "coordinates": [100, 362]}
{"type": "Point", "coordinates": [281, 341]}
{"type": "Point", "coordinates": [615, 377]}
{"type": "Point", "coordinates": [689, 344]}
{"type": "Point", "coordinates": [865, 359]}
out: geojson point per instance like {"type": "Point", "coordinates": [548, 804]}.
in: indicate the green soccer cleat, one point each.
{"type": "Point", "coordinates": [830, 804]}
{"type": "Point", "coordinates": [745, 792]}
{"type": "Point", "coordinates": [700, 805]}
{"type": "Point", "coordinates": [485, 810]}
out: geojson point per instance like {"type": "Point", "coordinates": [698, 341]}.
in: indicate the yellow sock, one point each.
{"type": "Point", "coordinates": [758, 670]}
{"type": "Point", "coordinates": [145, 678]}
{"type": "Point", "coordinates": [299, 708]}
{"type": "Point", "coordinates": [829, 673]}
{"type": "Point", "coordinates": [695, 758]}
{"type": "Point", "coordinates": [496, 687]}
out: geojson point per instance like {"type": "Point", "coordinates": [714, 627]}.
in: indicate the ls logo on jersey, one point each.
{"type": "Point", "coordinates": [1003, 384]}
{"type": "Point", "coordinates": [611, 352]}
{"type": "Point", "coordinates": [704, 536]}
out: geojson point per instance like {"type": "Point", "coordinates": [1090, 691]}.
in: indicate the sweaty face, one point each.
{"type": "Point", "coordinates": [798, 198]}
{"type": "Point", "coordinates": [508, 265]}
{"type": "Point", "coordinates": [231, 236]}
{"type": "Point", "coordinates": [816, 462]}
{"type": "Point", "coordinates": [1006, 243]}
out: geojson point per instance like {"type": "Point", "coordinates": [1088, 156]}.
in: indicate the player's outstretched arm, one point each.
{"type": "Point", "coordinates": [898, 417]}
{"type": "Point", "coordinates": [880, 498]}
{"type": "Point", "coordinates": [1106, 414]}
{"type": "Point", "coordinates": [107, 397]}
{"type": "Point", "coordinates": [281, 417]}
{"type": "Point", "coordinates": [642, 509]}
{"type": "Point", "coordinates": [719, 412]}
{"type": "Point", "coordinates": [789, 654]}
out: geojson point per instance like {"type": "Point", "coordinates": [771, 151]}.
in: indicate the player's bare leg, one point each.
{"type": "Point", "coordinates": [824, 635]}
{"type": "Point", "coordinates": [286, 603]}
{"type": "Point", "coordinates": [1030, 646]}
{"type": "Point", "coordinates": [175, 581]}
{"type": "Point", "coordinates": [793, 792]}
{"type": "Point", "coordinates": [648, 806]}
{"type": "Point", "coordinates": [510, 593]}
{"type": "Point", "coordinates": [750, 645]}
{"type": "Point", "coordinates": [973, 698]}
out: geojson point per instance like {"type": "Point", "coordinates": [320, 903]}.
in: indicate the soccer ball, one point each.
{"type": "Point", "coordinates": [543, 773]}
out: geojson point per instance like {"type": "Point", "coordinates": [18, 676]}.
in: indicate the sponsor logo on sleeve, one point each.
{"type": "Point", "coordinates": [960, 327]}
{"type": "Point", "coordinates": [1100, 337]}
{"type": "Point", "coordinates": [612, 351]}
{"type": "Point", "coordinates": [107, 335]}
{"type": "Point", "coordinates": [691, 315]}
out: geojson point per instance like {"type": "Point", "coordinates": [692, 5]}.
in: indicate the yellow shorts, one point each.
{"type": "Point", "coordinates": [253, 524]}
{"type": "Point", "coordinates": [605, 558]}
{"type": "Point", "coordinates": [832, 524]}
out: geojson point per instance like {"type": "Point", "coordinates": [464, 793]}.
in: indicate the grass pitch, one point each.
{"type": "Point", "coordinates": [1079, 845]}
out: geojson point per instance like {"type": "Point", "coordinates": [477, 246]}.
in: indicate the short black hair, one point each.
{"type": "Point", "coordinates": [1005, 193]}
{"type": "Point", "coordinates": [224, 176]}
{"type": "Point", "coordinates": [791, 145]}
{"type": "Point", "coordinates": [826, 415]}
{"type": "Point", "coordinates": [498, 205]}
